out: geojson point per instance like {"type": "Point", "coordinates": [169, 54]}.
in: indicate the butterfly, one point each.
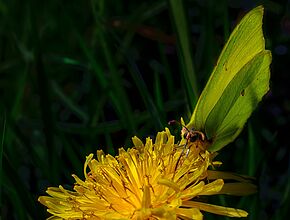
{"type": "Point", "coordinates": [237, 84]}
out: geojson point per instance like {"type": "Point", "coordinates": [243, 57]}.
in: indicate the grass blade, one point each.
{"type": "Point", "coordinates": [1, 155]}
{"type": "Point", "coordinates": [178, 14]}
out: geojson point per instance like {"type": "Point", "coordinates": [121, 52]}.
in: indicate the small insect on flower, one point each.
{"type": "Point", "coordinates": [196, 137]}
{"type": "Point", "coordinates": [195, 141]}
{"type": "Point", "coordinates": [192, 135]}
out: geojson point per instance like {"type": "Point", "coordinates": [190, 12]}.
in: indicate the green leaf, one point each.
{"type": "Point", "coordinates": [237, 84]}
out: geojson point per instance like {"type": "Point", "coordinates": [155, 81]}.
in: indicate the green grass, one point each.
{"type": "Point", "coordinates": [86, 75]}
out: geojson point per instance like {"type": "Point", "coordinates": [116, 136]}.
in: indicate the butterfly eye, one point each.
{"type": "Point", "coordinates": [194, 137]}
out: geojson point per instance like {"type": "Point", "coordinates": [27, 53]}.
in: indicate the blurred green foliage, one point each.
{"type": "Point", "coordinates": [77, 76]}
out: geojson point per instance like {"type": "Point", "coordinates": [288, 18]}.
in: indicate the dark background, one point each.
{"type": "Point", "coordinates": [77, 76]}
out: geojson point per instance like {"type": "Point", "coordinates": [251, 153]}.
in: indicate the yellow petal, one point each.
{"type": "Point", "coordinates": [214, 174]}
{"type": "Point", "coordinates": [88, 159]}
{"type": "Point", "coordinates": [213, 187]}
{"type": "Point", "coordinates": [219, 210]}
{"type": "Point", "coordinates": [238, 189]}
{"type": "Point", "coordinates": [146, 199]}
{"type": "Point", "coordinates": [170, 184]}
{"type": "Point", "coordinates": [192, 213]}
{"type": "Point", "coordinates": [137, 142]}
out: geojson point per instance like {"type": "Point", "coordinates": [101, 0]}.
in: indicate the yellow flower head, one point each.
{"type": "Point", "coordinates": [158, 180]}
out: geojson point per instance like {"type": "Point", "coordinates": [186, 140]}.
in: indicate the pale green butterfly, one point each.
{"type": "Point", "coordinates": [237, 84]}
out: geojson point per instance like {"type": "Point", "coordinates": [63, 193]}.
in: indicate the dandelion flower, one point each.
{"type": "Point", "coordinates": [150, 181]}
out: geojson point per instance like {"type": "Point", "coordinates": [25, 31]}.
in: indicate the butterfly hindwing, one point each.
{"type": "Point", "coordinates": [239, 99]}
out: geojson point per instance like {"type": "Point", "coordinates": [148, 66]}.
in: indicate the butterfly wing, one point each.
{"type": "Point", "coordinates": [237, 84]}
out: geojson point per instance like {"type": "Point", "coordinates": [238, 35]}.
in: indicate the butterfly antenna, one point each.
{"type": "Point", "coordinates": [172, 122]}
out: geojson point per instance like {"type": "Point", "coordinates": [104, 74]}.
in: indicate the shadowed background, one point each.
{"type": "Point", "coordinates": [77, 76]}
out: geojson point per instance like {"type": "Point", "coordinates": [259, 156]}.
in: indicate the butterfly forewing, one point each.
{"type": "Point", "coordinates": [218, 104]}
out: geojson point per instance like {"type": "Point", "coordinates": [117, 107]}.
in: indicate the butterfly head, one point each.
{"type": "Point", "coordinates": [192, 135]}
